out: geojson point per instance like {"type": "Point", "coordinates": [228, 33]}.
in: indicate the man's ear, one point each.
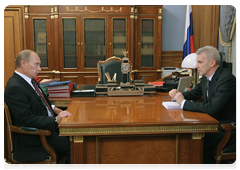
{"type": "Point", "coordinates": [23, 63]}
{"type": "Point", "coordinates": [213, 63]}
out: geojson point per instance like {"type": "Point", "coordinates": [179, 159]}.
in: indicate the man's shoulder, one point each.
{"type": "Point", "coordinates": [224, 72]}
{"type": "Point", "coordinates": [225, 76]}
{"type": "Point", "coordinates": [13, 82]}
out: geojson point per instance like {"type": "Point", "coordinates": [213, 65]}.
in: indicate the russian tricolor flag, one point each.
{"type": "Point", "coordinates": [188, 46]}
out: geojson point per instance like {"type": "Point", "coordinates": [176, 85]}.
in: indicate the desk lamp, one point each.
{"type": "Point", "coordinates": [190, 62]}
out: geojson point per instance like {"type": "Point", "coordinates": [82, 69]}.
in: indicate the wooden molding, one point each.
{"type": "Point", "coordinates": [172, 58]}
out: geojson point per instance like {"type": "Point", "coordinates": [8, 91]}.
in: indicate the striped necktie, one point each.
{"type": "Point", "coordinates": [41, 95]}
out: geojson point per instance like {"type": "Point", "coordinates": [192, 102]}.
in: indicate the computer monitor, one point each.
{"type": "Point", "coordinates": [184, 83]}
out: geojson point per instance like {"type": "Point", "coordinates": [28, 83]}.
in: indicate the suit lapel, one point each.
{"type": "Point", "coordinates": [25, 84]}
{"type": "Point", "coordinates": [29, 87]}
{"type": "Point", "coordinates": [213, 82]}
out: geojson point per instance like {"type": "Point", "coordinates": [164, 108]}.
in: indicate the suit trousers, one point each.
{"type": "Point", "coordinates": [211, 140]}
{"type": "Point", "coordinates": [60, 144]}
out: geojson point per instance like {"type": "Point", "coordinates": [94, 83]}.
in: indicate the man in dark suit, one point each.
{"type": "Point", "coordinates": [218, 89]}
{"type": "Point", "coordinates": [28, 108]}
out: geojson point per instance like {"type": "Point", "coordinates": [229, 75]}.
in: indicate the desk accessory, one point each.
{"type": "Point", "coordinates": [85, 91]}
{"type": "Point", "coordinates": [125, 88]}
{"type": "Point", "coordinates": [190, 62]}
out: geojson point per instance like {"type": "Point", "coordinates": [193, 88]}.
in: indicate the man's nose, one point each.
{"type": "Point", "coordinates": [196, 66]}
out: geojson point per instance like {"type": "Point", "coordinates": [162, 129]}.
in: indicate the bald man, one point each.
{"type": "Point", "coordinates": [31, 108]}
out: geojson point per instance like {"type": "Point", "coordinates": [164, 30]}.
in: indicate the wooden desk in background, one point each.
{"type": "Point", "coordinates": [122, 130]}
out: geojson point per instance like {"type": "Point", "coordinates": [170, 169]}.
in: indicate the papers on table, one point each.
{"type": "Point", "coordinates": [171, 105]}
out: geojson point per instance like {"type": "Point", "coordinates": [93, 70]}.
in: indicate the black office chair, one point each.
{"type": "Point", "coordinates": [51, 157]}
{"type": "Point", "coordinates": [112, 65]}
{"type": "Point", "coordinates": [226, 149]}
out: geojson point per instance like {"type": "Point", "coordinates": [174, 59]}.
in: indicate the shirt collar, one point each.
{"type": "Point", "coordinates": [210, 78]}
{"type": "Point", "coordinates": [26, 78]}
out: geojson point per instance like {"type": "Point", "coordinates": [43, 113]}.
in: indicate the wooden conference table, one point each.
{"type": "Point", "coordinates": [122, 130]}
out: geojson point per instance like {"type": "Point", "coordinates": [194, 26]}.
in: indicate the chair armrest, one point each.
{"type": "Point", "coordinates": [234, 124]}
{"type": "Point", "coordinates": [229, 126]}
{"type": "Point", "coordinates": [29, 130]}
{"type": "Point", "coordinates": [42, 133]}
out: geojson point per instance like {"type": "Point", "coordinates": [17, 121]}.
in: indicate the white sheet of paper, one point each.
{"type": "Point", "coordinates": [171, 105]}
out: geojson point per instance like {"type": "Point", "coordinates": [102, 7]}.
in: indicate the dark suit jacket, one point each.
{"type": "Point", "coordinates": [27, 109]}
{"type": "Point", "coordinates": [221, 102]}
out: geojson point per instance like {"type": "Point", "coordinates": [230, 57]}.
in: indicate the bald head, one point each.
{"type": "Point", "coordinates": [28, 63]}
{"type": "Point", "coordinates": [23, 55]}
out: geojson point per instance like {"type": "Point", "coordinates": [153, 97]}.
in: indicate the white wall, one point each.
{"type": "Point", "coordinates": [173, 25]}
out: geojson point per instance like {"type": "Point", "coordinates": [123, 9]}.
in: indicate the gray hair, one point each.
{"type": "Point", "coordinates": [211, 53]}
{"type": "Point", "coordinates": [23, 55]}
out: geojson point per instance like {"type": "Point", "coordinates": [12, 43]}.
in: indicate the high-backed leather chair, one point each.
{"type": "Point", "coordinates": [10, 130]}
{"type": "Point", "coordinates": [226, 149]}
{"type": "Point", "coordinates": [111, 65]}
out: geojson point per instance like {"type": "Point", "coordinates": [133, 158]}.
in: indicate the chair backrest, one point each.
{"type": "Point", "coordinates": [9, 133]}
{"type": "Point", "coordinates": [111, 65]}
{"type": "Point", "coordinates": [7, 113]}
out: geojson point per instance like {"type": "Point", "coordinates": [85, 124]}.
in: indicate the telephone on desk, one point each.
{"type": "Point", "coordinates": [170, 79]}
{"type": "Point", "coordinates": [172, 82]}
{"type": "Point", "coordinates": [169, 84]}
{"type": "Point", "coordinates": [184, 72]}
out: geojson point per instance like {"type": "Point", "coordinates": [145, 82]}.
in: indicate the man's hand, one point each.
{"type": "Point", "coordinates": [57, 110]}
{"type": "Point", "coordinates": [172, 93]}
{"type": "Point", "coordinates": [177, 96]}
{"type": "Point", "coordinates": [62, 114]}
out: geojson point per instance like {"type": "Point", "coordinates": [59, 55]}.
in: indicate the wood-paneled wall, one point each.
{"type": "Point", "coordinates": [205, 25]}
{"type": "Point", "coordinates": [13, 38]}
{"type": "Point", "coordinates": [172, 58]}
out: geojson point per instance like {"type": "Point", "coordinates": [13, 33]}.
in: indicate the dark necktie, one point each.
{"type": "Point", "coordinates": [208, 82]}
{"type": "Point", "coordinates": [41, 95]}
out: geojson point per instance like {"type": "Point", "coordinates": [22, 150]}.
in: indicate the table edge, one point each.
{"type": "Point", "coordinates": [82, 131]}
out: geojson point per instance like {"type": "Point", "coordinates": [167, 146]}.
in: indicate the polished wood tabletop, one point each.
{"type": "Point", "coordinates": [131, 114]}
